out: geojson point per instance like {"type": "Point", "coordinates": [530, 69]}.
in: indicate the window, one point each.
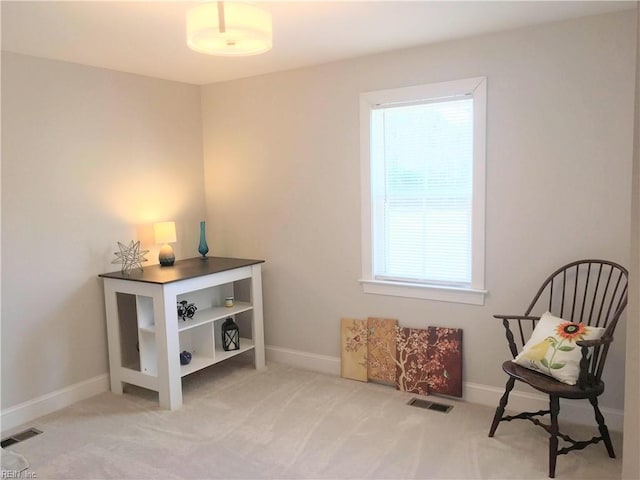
{"type": "Point", "coordinates": [423, 191]}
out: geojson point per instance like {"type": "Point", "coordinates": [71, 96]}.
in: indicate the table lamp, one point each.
{"type": "Point", "coordinates": [165, 233]}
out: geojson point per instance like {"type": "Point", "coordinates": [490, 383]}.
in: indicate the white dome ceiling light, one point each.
{"type": "Point", "coordinates": [229, 29]}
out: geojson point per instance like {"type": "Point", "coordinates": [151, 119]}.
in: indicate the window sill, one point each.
{"type": "Point", "coordinates": [426, 292]}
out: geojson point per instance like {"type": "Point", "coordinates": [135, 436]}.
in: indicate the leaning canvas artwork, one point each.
{"type": "Point", "coordinates": [429, 360]}
{"type": "Point", "coordinates": [381, 350]}
{"type": "Point", "coordinates": [353, 351]}
{"type": "Point", "coordinates": [444, 360]}
{"type": "Point", "coordinates": [417, 360]}
{"type": "Point", "coordinates": [411, 360]}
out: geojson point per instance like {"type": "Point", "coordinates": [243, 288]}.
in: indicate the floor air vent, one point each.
{"type": "Point", "coordinates": [19, 437]}
{"type": "Point", "coordinates": [438, 407]}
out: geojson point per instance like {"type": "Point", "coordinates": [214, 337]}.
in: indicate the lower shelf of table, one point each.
{"type": "Point", "coordinates": [200, 362]}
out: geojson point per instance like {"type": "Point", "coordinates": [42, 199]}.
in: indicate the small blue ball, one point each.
{"type": "Point", "coordinates": [185, 358]}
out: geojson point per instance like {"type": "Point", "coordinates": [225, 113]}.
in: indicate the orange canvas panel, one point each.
{"type": "Point", "coordinates": [381, 350]}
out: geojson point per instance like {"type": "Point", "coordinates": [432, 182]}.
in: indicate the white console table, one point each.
{"type": "Point", "coordinates": [155, 292]}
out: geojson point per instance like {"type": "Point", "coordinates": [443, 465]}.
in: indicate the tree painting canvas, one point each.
{"type": "Point", "coordinates": [381, 350]}
{"type": "Point", "coordinates": [429, 361]}
{"type": "Point", "coordinates": [353, 352]}
{"type": "Point", "coordinates": [411, 360]}
{"type": "Point", "coordinates": [444, 360]}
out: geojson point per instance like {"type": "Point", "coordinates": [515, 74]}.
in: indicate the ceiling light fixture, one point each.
{"type": "Point", "coordinates": [229, 29]}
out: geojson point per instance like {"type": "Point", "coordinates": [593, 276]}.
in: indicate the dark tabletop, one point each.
{"type": "Point", "coordinates": [182, 269]}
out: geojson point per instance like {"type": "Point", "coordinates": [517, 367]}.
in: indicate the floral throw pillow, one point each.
{"type": "Point", "coordinates": [552, 348]}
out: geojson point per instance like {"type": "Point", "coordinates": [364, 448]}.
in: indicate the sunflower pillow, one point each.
{"type": "Point", "coordinates": [552, 348]}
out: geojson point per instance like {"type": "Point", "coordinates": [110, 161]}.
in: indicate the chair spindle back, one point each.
{"type": "Point", "coordinates": [593, 292]}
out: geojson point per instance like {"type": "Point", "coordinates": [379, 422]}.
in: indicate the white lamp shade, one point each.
{"type": "Point", "coordinates": [229, 29]}
{"type": "Point", "coordinates": [164, 232]}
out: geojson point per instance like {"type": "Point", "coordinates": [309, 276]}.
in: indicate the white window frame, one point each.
{"type": "Point", "coordinates": [476, 87]}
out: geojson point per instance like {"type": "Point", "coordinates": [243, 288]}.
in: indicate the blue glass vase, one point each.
{"type": "Point", "coordinates": [203, 248]}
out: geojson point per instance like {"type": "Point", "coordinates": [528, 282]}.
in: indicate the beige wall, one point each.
{"type": "Point", "coordinates": [631, 459]}
{"type": "Point", "coordinates": [89, 157]}
{"type": "Point", "coordinates": [282, 177]}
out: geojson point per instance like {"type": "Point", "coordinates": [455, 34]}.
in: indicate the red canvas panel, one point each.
{"type": "Point", "coordinates": [411, 360]}
{"type": "Point", "coordinates": [444, 360]}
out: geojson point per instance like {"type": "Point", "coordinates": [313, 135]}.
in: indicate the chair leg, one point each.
{"type": "Point", "coordinates": [503, 403]}
{"type": "Point", "coordinates": [554, 406]}
{"type": "Point", "coordinates": [604, 431]}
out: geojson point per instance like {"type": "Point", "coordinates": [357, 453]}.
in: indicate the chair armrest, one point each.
{"type": "Point", "coordinates": [509, 334]}
{"type": "Point", "coordinates": [588, 377]}
{"type": "Point", "coordinates": [516, 317]}
{"type": "Point", "coordinates": [594, 343]}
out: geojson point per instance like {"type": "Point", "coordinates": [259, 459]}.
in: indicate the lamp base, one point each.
{"type": "Point", "coordinates": [166, 256]}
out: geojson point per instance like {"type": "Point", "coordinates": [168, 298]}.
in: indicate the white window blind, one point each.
{"type": "Point", "coordinates": [422, 189]}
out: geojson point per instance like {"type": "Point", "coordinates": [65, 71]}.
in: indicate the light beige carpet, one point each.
{"type": "Point", "coordinates": [12, 463]}
{"type": "Point", "coordinates": [286, 423]}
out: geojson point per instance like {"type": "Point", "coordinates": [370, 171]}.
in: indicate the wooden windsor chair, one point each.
{"type": "Point", "coordinates": [591, 292]}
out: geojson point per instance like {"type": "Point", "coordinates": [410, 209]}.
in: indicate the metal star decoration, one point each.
{"type": "Point", "coordinates": [130, 256]}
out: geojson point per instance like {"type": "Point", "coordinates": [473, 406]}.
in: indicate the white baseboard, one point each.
{"type": "Point", "coordinates": [304, 360]}
{"type": "Point", "coordinates": [28, 411]}
{"type": "Point", "coordinates": [579, 412]}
